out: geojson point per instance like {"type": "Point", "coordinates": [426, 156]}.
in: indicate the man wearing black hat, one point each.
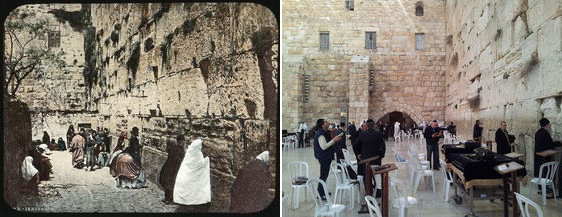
{"type": "Point", "coordinates": [134, 146]}
{"type": "Point", "coordinates": [543, 142]}
{"type": "Point", "coordinates": [372, 144]}
{"type": "Point", "coordinates": [477, 133]}
{"type": "Point", "coordinates": [324, 150]}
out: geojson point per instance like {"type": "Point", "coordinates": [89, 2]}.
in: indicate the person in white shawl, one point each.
{"type": "Point", "coordinates": [193, 182]}
{"type": "Point", "coordinates": [30, 174]}
{"type": "Point", "coordinates": [396, 130]}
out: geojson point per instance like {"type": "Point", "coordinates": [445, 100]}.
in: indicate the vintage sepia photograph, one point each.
{"type": "Point", "coordinates": [140, 107]}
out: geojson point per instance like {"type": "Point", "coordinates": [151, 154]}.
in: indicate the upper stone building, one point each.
{"type": "Point", "coordinates": [204, 70]}
{"type": "Point", "coordinates": [350, 60]}
{"type": "Point", "coordinates": [449, 60]}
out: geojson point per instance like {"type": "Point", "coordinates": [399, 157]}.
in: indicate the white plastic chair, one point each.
{"type": "Point", "coordinates": [420, 172]}
{"type": "Point", "coordinates": [524, 203]}
{"type": "Point", "coordinates": [447, 179]}
{"type": "Point", "coordinates": [400, 201]}
{"type": "Point", "coordinates": [297, 169]}
{"type": "Point", "coordinates": [347, 158]}
{"type": "Point", "coordinates": [545, 179]}
{"type": "Point", "coordinates": [420, 134]}
{"type": "Point", "coordinates": [374, 210]}
{"type": "Point", "coordinates": [288, 143]}
{"type": "Point", "coordinates": [323, 208]}
{"type": "Point", "coordinates": [421, 156]}
{"type": "Point", "coordinates": [283, 204]}
{"type": "Point", "coordinates": [344, 184]}
{"type": "Point", "coordinates": [398, 136]}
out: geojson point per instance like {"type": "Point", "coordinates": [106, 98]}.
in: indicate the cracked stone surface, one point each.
{"type": "Point", "coordinates": [76, 190]}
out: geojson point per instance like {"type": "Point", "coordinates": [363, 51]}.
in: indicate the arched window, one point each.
{"type": "Point", "coordinates": [419, 9]}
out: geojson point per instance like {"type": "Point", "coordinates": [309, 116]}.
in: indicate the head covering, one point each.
{"type": "Point", "coordinates": [319, 123]}
{"type": "Point", "coordinates": [135, 131]}
{"type": "Point", "coordinates": [264, 156]}
{"type": "Point", "coordinates": [193, 181]}
{"type": "Point", "coordinates": [27, 168]}
{"type": "Point", "coordinates": [544, 122]}
{"type": "Point", "coordinates": [194, 156]}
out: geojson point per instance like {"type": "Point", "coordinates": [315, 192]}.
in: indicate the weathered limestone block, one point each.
{"type": "Point", "coordinates": [551, 109]}
{"type": "Point", "coordinates": [520, 30]}
{"type": "Point", "coordinates": [541, 11]}
{"type": "Point", "coordinates": [548, 46]}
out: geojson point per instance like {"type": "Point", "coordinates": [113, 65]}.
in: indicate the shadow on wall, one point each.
{"type": "Point", "coordinates": [17, 141]}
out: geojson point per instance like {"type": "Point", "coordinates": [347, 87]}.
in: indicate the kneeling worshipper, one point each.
{"type": "Point", "coordinates": [44, 148]}
{"type": "Point", "coordinates": [42, 163]}
{"type": "Point", "coordinates": [61, 144]}
{"type": "Point", "coordinates": [103, 157]}
{"type": "Point", "coordinates": [31, 177]}
{"type": "Point", "coordinates": [53, 146]}
{"type": "Point", "coordinates": [250, 190]}
{"type": "Point", "coordinates": [126, 172]}
{"type": "Point", "coordinates": [193, 182]}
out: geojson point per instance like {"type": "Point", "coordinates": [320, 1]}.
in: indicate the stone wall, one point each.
{"type": "Point", "coordinates": [16, 146]}
{"type": "Point", "coordinates": [503, 63]}
{"type": "Point", "coordinates": [405, 79]}
{"type": "Point", "coordinates": [59, 90]}
{"type": "Point", "coordinates": [203, 67]}
{"type": "Point", "coordinates": [204, 70]}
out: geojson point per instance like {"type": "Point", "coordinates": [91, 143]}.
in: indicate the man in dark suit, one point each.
{"type": "Point", "coordinates": [432, 135]}
{"type": "Point", "coordinates": [503, 139]}
{"type": "Point", "coordinates": [340, 144]}
{"type": "Point", "coordinates": [477, 133]}
{"type": "Point", "coordinates": [543, 142]}
{"type": "Point", "coordinates": [372, 144]}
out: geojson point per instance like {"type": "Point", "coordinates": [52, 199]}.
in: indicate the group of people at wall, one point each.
{"type": "Point", "coordinates": [369, 141]}
{"type": "Point", "coordinates": [185, 176]}
{"type": "Point", "coordinates": [505, 142]}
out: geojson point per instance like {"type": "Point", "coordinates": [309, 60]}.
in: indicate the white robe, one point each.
{"type": "Point", "coordinates": [27, 168]}
{"type": "Point", "coordinates": [193, 182]}
{"type": "Point", "coordinates": [396, 129]}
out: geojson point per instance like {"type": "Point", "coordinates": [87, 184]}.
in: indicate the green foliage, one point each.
{"type": "Point", "coordinates": [26, 52]}
{"type": "Point", "coordinates": [74, 18]}
{"type": "Point", "coordinates": [165, 8]}
{"type": "Point", "coordinates": [134, 58]}
{"type": "Point", "coordinates": [262, 40]}
{"type": "Point", "coordinates": [164, 49]}
{"type": "Point", "coordinates": [188, 26]}
{"type": "Point", "coordinates": [143, 22]}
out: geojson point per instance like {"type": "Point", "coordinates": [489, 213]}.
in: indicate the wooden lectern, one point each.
{"type": "Point", "coordinates": [369, 183]}
{"type": "Point", "coordinates": [507, 170]}
{"type": "Point", "coordinates": [369, 172]}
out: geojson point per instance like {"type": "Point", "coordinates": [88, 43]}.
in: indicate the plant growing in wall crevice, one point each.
{"type": "Point", "coordinates": [26, 51]}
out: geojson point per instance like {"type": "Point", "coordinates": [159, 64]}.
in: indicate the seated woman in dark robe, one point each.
{"type": "Point", "coordinates": [61, 144]}
{"type": "Point", "coordinates": [126, 172]}
{"type": "Point", "coordinates": [53, 146]}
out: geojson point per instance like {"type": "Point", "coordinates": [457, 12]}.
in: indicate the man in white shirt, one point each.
{"type": "Point", "coordinates": [324, 150]}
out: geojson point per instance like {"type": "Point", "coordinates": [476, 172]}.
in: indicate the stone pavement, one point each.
{"type": "Point", "coordinates": [75, 190]}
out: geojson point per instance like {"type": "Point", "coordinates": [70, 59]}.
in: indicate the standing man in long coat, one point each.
{"type": "Point", "coordinates": [176, 153]}
{"type": "Point", "coordinates": [77, 149]}
{"type": "Point", "coordinates": [503, 139]}
{"type": "Point", "coordinates": [134, 146]}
